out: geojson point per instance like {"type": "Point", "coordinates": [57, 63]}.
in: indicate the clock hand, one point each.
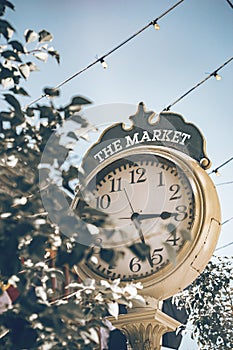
{"type": "Point", "coordinates": [137, 224]}
{"type": "Point", "coordinates": [164, 216]}
{"type": "Point", "coordinates": [134, 218]}
{"type": "Point", "coordinates": [131, 207]}
{"type": "Point", "coordinates": [138, 227]}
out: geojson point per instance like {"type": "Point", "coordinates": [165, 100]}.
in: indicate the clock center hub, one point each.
{"type": "Point", "coordinates": [134, 216]}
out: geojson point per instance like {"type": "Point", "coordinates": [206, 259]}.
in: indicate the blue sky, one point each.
{"type": "Point", "coordinates": [156, 67]}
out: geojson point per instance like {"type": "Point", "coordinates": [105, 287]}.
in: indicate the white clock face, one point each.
{"type": "Point", "coordinates": [149, 200]}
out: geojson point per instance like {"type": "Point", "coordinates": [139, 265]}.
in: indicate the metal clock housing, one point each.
{"type": "Point", "coordinates": [161, 198]}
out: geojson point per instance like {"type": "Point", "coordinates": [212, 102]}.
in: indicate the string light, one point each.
{"type": "Point", "coordinates": [214, 73]}
{"type": "Point", "coordinates": [108, 53]}
{"type": "Point", "coordinates": [104, 63]}
{"type": "Point", "coordinates": [217, 76]}
{"type": "Point", "coordinates": [215, 171]}
{"type": "Point", "coordinates": [156, 25]}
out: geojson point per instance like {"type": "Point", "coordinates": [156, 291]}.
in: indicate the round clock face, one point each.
{"type": "Point", "coordinates": [150, 202]}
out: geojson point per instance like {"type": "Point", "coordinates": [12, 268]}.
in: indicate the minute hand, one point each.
{"type": "Point", "coordinates": [164, 216]}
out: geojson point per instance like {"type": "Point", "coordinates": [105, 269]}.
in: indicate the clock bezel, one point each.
{"type": "Point", "coordinates": [172, 278]}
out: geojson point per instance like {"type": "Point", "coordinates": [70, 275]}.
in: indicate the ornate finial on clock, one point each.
{"type": "Point", "coordinates": [170, 130]}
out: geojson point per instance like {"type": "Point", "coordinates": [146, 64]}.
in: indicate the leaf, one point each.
{"type": "Point", "coordinates": [80, 120]}
{"type": "Point", "coordinates": [30, 35]}
{"type": "Point", "coordinates": [113, 309]}
{"type": "Point", "coordinates": [16, 45]}
{"type": "Point", "coordinates": [7, 83]}
{"type": "Point", "coordinates": [19, 90]}
{"type": "Point", "coordinates": [171, 252]}
{"type": "Point", "coordinates": [24, 70]}
{"type": "Point", "coordinates": [72, 135]}
{"type": "Point", "coordinates": [71, 258]}
{"type": "Point", "coordinates": [13, 101]}
{"type": "Point", "coordinates": [30, 112]}
{"type": "Point", "coordinates": [52, 92]}
{"type": "Point", "coordinates": [6, 115]}
{"type": "Point", "coordinates": [21, 334]}
{"type": "Point", "coordinates": [32, 66]}
{"type": "Point", "coordinates": [37, 247]}
{"type": "Point", "coordinates": [74, 108]}
{"type": "Point", "coordinates": [9, 4]}
{"type": "Point", "coordinates": [79, 100]}
{"type": "Point", "coordinates": [43, 56]}
{"type": "Point", "coordinates": [41, 293]}
{"type": "Point", "coordinates": [107, 255]}
{"type": "Point", "coordinates": [141, 250]}
{"type": "Point", "coordinates": [6, 29]}
{"type": "Point", "coordinates": [171, 228]}
{"type": "Point", "coordinates": [140, 300]}
{"type": "Point", "coordinates": [11, 55]}
{"type": "Point", "coordinates": [93, 335]}
{"type": "Point", "coordinates": [45, 36]}
{"type": "Point", "coordinates": [3, 5]}
{"type": "Point", "coordinates": [55, 54]}
{"type": "Point", "coordinates": [186, 235]}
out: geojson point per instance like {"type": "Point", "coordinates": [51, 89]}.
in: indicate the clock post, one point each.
{"type": "Point", "coordinates": [151, 181]}
{"type": "Point", "coordinates": [145, 326]}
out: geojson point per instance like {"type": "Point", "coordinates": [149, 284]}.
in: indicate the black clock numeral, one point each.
{"type": "Point", "coordinates": [181, 213]}
{"type": "Point", "coordinates": [175, 189]}
{"type": "Point", "coordinates": [173, 238]}
{"type": "Point", "coordinates": [161, 180]}
{"type": "Point", "coordinates": [116, 185]}
{"type": "Point", "coordinates": [134, 265]}
{"type": "Point", "coordinates": [157, 258]}
{"type": "Point", "coordinates": [103, 202]}
{"type": "Point", "coordinates": [138, 175]}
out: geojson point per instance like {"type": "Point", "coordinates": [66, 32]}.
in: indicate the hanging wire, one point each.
{"type": "Point", "coordinates": [224, 246]}
{"type": "Point", "coordinates": [101, 59]}
{"type": "Point", "coordinates": [230, 3]}
{"type": "Point", "coordinates": [213, 74]}
{"type": "Point", "coordinates": [228, 244]}
{"type": "Point", "coordinates": [220, 166]}
{"type": "Point", "coordinates": [226, 221]}
{"type": "Point", "coordinates": [224, 183]}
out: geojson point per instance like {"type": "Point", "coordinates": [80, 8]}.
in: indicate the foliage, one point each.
{"type": "Point", "coordinates": [209, 303]}
{"type": "Point", "coordinates": [71, 322]}
{"type": "Point", "coordinates": [35, 255]}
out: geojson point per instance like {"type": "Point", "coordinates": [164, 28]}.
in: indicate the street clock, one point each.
{"type": "Point", "coordinates": [151, 181]}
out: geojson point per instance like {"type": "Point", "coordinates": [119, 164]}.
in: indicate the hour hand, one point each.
{"type": "Point", "coordinates": [164, 216]}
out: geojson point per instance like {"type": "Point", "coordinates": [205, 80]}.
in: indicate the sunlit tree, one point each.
{"type": "Point", "coordinates": [53, 311]}
{"type": "Point", "coordinates": [209, 303]}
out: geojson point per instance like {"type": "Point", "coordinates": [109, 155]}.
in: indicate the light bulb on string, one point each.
{"type": "Point", "coordinates": [217, 76]}
{"type": "Point", "coordinates": [156, 25]}
{"type": "Point", "coordinates": [104, 63]}
{"type": "Point", "coordinates": [217, 173]}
